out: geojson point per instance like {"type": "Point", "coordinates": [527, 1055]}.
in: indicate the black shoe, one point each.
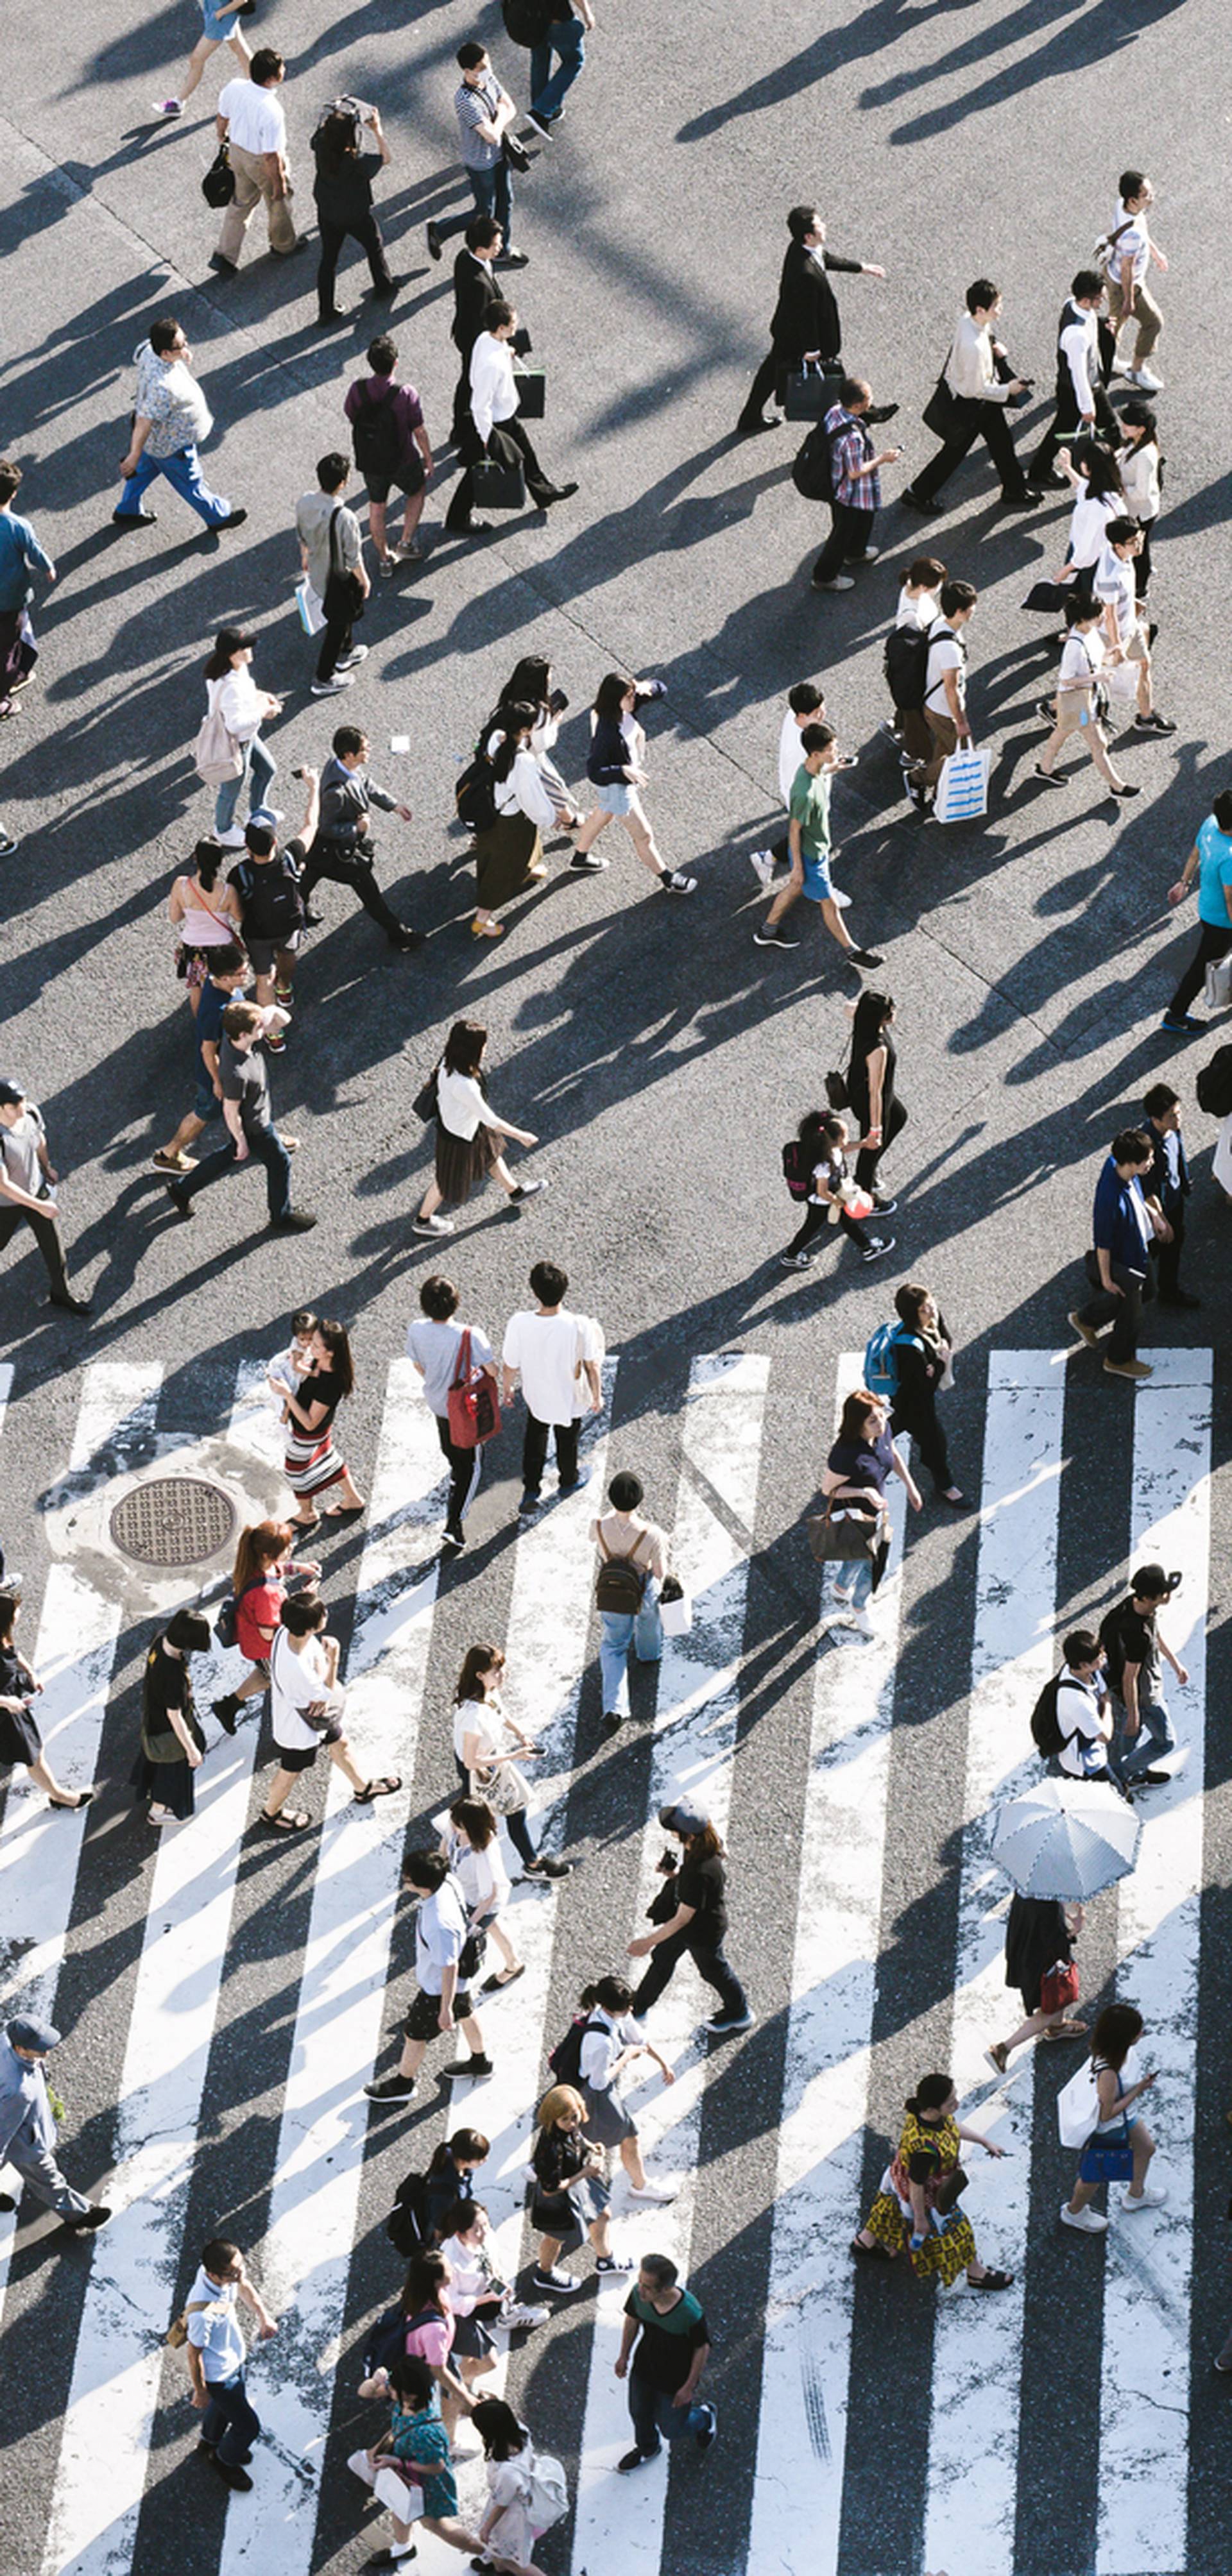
{"type": "Point", "coordinates": [238, 2479]}
{"type": "Point", "coordinates": [405, 938]}
{"type": "Point", "coordinates": [436, 247]}
{"type": "Point", "coordinates": [329, 321]}
{"type": "Point", "coordinates": [1153, 724]}
{"type": "Point", "coordinates": [865, 957]}
{"type": "Point", "coordinates": [1123, 793]}
{"type": "Point", "coordinates": [71, 1305]}
{"type": "Point", "coordinates": [779, 938]}
{"type": "Point", "coordinates": [550, 1868]}
{"type": "Point", "coordinates": [225, 267]}
{"type": "Point", "coordinates": [226, 1710]}
{"type": "Point", "coordinates": [236, 518]}
{"type": "Point", "coordinates": [382, 294]}
{"type": "Point", "coordinates": [7, 2203]}
{"type": "Point", "coordinates": [452, 1538]}
{"type": "Point", "coordinates": [1046, 777]}
{"type": "Point", "coordinates": [392, 2088]}
{"type": "Point", "coordinates": [611, 1720]}
{"type": "Point", "coordinates": [296, 1221]}
{"type": "Point", "coordinates": [1052, 482]}
{"type": "Point", "coordinates": [1179, 1297]}
{"type": "Point", "coordinates": [882, 411]}
{"type": "Point", "coordinates": [915, 501]}
{"type": "Point", "coordinates": [182, 1206]}
{"type": "Point", "coordinates": [637, 2459]}
{"type": "Point", "coordinates": [555, 492]}
{"type": "Point", "coordinates": [95, 2217]}
{"type": "Point", "coordinates": [751, 424]}
{"type": "Point", "coordinates": [470, 2065]}
{"type": "Point", "coordinates": [134, 518]}
{"type": "Point", "coordinates": [1028, 499]}
{"type": "Point", "coordinates": [1148, 1780]}
{"type": "Point", "coordinates": [312, 920]}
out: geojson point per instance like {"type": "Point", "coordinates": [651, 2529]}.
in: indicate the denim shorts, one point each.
{"type": "Point", "coordinates": [817, 884]}
{"type": "Point", "coordinates": [216, 28]}
{"type": "Point", "coordinates": [615, 799]}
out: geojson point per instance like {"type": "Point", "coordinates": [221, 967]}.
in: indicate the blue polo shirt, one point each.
{"type": "Point", "coordinates": [1215, 873]}
{"type": "Point", "coordinates": [1122, 1227]}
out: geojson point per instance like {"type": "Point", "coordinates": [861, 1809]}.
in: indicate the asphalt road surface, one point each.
{"type": "Point", "coordinates": [225, 1999]}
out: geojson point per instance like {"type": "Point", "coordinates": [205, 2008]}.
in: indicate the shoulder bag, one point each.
{"type": "Point", "coordinates": [344, 596]}
{"type": "Point", "coordinates": [473, 1406]}
{"type": "Point", "coordinates": [217, 756]}
{"type": "Point", "coordinates": [218, 185]}
{"type": "Point", "coordinates": [853, 1537]}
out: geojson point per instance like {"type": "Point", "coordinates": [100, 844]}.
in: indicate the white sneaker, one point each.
{"type": "Point", "coordinates": [1087, 2221]}
{"type": "Point", "coordinates": [860, 1621]}
{"type": "Point", "coordinates": [1153, 2197]}
{"type": "Point", "coordinates": [518, 2317]}
{"type": "Point", "coordinates": [432, 1225]}
{"type": "Point", "coordinates": [330, 688]}
{"type": "Point", "coordinates": [1144, 380]}
{"type": "Point", "coordinates": [358, 653]}
{"type": "Point", "coordinates": [652, 2190]}
{"type": "Point", "coordinates": [232, 840]}
{"type": "Point", "coordinates": [762, 865]}
{"type": "Point", "coordinates": [842, 900]}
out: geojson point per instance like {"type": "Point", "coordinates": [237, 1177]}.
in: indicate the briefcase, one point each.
{"type": "Point", "coordinates": [811, 389]}
{"type": "Point", "coordinates": [498, 483]}
{"type": "Point", "coordinates": [532, 385]}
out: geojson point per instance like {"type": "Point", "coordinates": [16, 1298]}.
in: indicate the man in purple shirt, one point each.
{"type": "Point", "coordinates": [392, 450]}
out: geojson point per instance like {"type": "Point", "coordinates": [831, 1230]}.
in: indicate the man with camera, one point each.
{"type": "Point", "coordinates": [343, 849]}
{"type": "Point", "coordinates": [486, 115]}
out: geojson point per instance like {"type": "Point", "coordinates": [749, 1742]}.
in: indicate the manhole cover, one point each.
{"type": "Point", "coordinates": [173, 1520]}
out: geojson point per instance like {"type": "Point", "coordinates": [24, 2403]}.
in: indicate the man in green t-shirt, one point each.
{"type": "Point", "coordinates": [808, 839]}
{"type": "Point", "coordinates": [673, 2346]}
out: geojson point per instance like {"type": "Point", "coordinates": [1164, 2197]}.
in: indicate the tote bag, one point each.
{"type": "Point", "coordinates": [311, 612]}
{"type": "Point", "coordinates": [962, 789]}
{"type": "Point", "coordinates": [474, 1411]}
{"type": "Point", "coordinates": [217, 756]}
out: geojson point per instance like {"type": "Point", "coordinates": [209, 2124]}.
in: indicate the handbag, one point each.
{"type": "Point", "coordinates": [426, 1103]}
{"type": "Point", "coordinates": [515, 153]}
{"type": "Point", "coordinates": [675, 1608]}
{"type": "Point", "coordinates": [942, 412]}
{"type": "Point", "coordinates": [962, 789]}
{"type": "Point", "coordinates": [217, 756]}
{"type": "Point", "coordinates": [811, 389]}
{"type": "Point", "coordinates": [472, 1403]}
{"type": "Point", "coordinates": [472, 1954]}
{"type": "Point", "coordinates": [498, 482]}
{"type": "Point", "coordinates": [855, 1537]}
{"type": "Point", "coordinates": [311, 612]}
{"type": "Point", "coordinates": [836, 1091]}
{"type": "Point", "coordinates": [503, 1785]}
{"type": "Point", "coordinates": [1059, 1987]}
{"type": "Point", "coordinates": [1218, 991]}
{"type": "Point", "coordinates": [531, 383]}
{"type": "Point", "coordinates": [218, 185]}
{"type": "Point", "coordinates": [1048, 598]}
{"type": "Point", "coordinates": [344, 596]}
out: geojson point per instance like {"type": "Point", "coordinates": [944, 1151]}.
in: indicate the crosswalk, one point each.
{"type": "Point", "coordinates": [788, 2476]}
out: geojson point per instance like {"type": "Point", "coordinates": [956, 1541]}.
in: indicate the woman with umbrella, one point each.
{"type": "Point", "coordinates": [1039, 1951]}
{"type": "Point", "coordinates": [917, 2207]}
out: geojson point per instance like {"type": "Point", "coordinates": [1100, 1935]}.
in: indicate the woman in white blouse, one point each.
{"type": "Point", "coordinates": [1142, 482]}
{"type": "Point", "coordinates": [1096, 479]}
{"type": "Point", "coordinates": [232, 692]}
{"type": "Point", "coordinates": [532, 683]}
{"type": "Point", "coordinates": [484, 1736]}
{"type": "Point", "coordinates": [509, 855]}
{"type": "Point", "coordinates": [306, 1710]}
{"type": "Point", "coordinates": [472, 1849]}
{"type": "Point", "coordinates": [469, 1135]}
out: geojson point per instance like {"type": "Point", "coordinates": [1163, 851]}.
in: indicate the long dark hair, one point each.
{"type": "Point", "coordinates": [1091, 458]}
{"type": "Point", "coordinates": [338, 1345]}
{"type": "Point", "coordinates": [335, 140]}
{"type": "Point", "coordinates": [207, 860]}
{"type": "Point", "coordinates": [516, 717]}
{"type": "Point", "coordinates": [609, 696]}
{"type": "Point", "coordinates": [424, 2286]}
{"type": "Point", "coordinates": [853, 1419]}
{"type": "Point", "coordinates": [477, 1660]}
{"type": "Point", "coordinates": [464, 1047]}
{"type": "Point", "coordinates": [464, 2142]}
{"type": "Point", "coordinates": [498, 2428]}
{"type": "Point", "coordinates": [871, 1013]}
{"type": "Point", "coordinates": [531, 680]}
{"type": "Point", "coordinates": [229, 640]}
{"type": "Point", "coordinates": [1118, 2029]}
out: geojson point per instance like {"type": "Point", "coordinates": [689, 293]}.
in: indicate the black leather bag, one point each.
{"type": "Point", "coordinates": [426, 1103]}
{"type": "Point", "coordinates": [218, 185]}
{"type": "Point", "coordinates": [515, 153]}
{"type": "Point", "coordinates": [498, 482]}
{"type": "Point", "coordinates": [345, 597]}
{"type": "Point", "coordinates": [532, 388]}
{"type": "Point", "coordinates": [943, 412]}
{"type": "Point", "coordinates": [811, 389]}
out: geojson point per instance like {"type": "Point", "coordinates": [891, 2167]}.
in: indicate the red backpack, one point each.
{"type": "Point", "coordinates": [797, 1171]}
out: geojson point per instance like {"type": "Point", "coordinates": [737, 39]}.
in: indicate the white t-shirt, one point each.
{"type": "Point", "coordinates": [481, 1875]}
{"type": "Point", "coordinates": [215, 2332]}
{"type": "Point", "coordinates": [1140, 479]}
{"type": "Point", "coordinates": [484, 1718]}
{"type": "Point", "coordinates": [1080, 348]}
{"type": "Point", "coordinates": [1078, 1720]}
{"type": "Point", "coordinates": [944, 654]}
{"type": "Point", "coordinates": [547, 1350]}
{"type": "Point", "coordinates": [473, 2277]}
{"type": "Point", "coordinates": [462, 1106]}
{"type": "Point", "coordinates": [919, 611]}
{"type": "Point", "coordinates": [523, 791]}
{"type": "Point", "coordinates": [434, 1348]}
{"type": "Point", "coordinates": [1088, 521]}
{"type": "Point", "coordinates": [255, 118]}
{"type": "Point", "coordinates": [440, 1930]}
{"type": "Point", "coordinates": [790, 754]}
{"type": "Point", "coordinates": [1134, 244]}
{"type": "Point", "coordinates": [295, 1681]}
{"type": "Point", "coordinates": [238, 701]}
{"type": "Point", "coordinates": [601, 2048]}
{"type": "Point", "coordinates": [1081, 656]}
{"type": "Point", "coordinates": [1114, 587]}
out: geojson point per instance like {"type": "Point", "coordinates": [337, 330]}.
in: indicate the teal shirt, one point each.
{"type": "Point", "coordinates": [809, 806]}
{"type": "Point", "coordinates": [422, 2441]}
{"type": "Point", "coordinates": [1215, 865]}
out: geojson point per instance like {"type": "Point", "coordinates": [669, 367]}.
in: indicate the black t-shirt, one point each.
{"type": "Point", "coordinates": [863, 1462]}
{"type": "Point", "coordinates": [857, 1082]}
{"type": "Point", "coordinates": [663, 2354]}
{"type": "Point", "coordinates": [243, 1080]}
{"type": "Point", "coordinates": [1130, 1638]}
{"type": "Point", "coordinates": [270, 900]}
{"type": "Point", "coordinates": [321, 1386]}
{"type": "Point", "coordinates": [344, 192]}
{"type": "Point", "coordinates": [703, 1885]}
{"type": "Point", "coordinates": [167, 1685]}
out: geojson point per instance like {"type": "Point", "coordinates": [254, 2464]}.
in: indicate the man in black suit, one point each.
{"type": "Point", "coordinates": [806, 320]}
{"type": "Point", "coordinates": [475, 289]}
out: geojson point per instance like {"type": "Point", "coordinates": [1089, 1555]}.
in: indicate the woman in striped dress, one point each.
{"type": "Point", "coordinates": [313, 1465]}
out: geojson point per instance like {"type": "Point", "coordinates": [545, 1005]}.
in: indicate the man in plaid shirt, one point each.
{"type": "Point", "coordinates": [856, 473]}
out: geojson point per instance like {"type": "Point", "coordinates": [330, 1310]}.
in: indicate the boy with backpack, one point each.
{"type": "Point", "coordinates": [634, 1561]}
{"type": "Point", "coordinates": [392, 451]}
{"type": "Point", "coordinates": [906, 657]}
{"type": "Point", "coordinates": [1071, 1722]}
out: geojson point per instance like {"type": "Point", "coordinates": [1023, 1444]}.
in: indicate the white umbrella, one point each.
{"type": "Point", "coordinates": [1067, 1839]}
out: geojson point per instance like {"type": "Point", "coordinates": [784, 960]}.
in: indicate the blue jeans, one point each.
{"type": "Point", "coordinates": [619, 1629]}
{"type": "Point", "coordinates": [183, 473]}
{"type": "Point", "coordinates": [1129, 1756]}
{"type": "Point", "coordinates": [566, 40]}
{"type": "Point", "coordinates": [653, 2414]}
{"type": "Point", "coordinates": [492, 191]}
{"type": "Point", "coordinates": [259, 770]}
{"type": "Point", "coordinates": [848, 1575]}
{"type": "Point", "coordinates": [229, 2423]}
{"type": "Point", "coordinates": [265, 1145]}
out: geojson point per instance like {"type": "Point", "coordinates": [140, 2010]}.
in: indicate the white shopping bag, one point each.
{"type": "Point", "coordinates": [1078, 2101]}
{"type": "Point", "coordinates": [962, 789]}
{"type": "Point", "coordinates": [1219, 983]}
{"type": "Point", "coordinates": [676, 1617]}
{"type": "Point", "coordinates": [311, 613]}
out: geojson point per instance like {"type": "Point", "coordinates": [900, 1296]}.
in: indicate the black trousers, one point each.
{"type": "Point", "coordinates": [869, 1158]}
{"type": "Point", "coordinates": [850, 533]}
{"type": "Point", "coordinates": [1124, 1313]}
{"type": "Point", "coordinates": [816, 1220]}
{"type": "Point", "coordinates": [333, 236]}
{"type": "Point", "coordinates": [465, 1470]}
{"type": "Point", "coordinates": [336, 636]}
{"type": "Point", "coordinates": [709, 1962]}
{"type": "Point", "coordinates": [1212, 945]}
{"type": "Point", "coordinates": [919, 1422]}
{"type": "Point", "coordinates": [538, 484]}
{"type": "Point", "coordinates": [535, 1452]}
{"type": "Point", "coordinates": [349, 868]}
{"type": "Point", "coordinates": [1067, 424]}
{"type": "Point", "coordinates": [46, 1234]}
{"type": "Point", "coordinates": [1168, 1255]}
{"type": "Point", "coordinates": [984, 420]}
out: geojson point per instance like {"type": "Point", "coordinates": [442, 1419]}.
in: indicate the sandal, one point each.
{"type": "Point", "coordinates": [487, 930]}
{"type": "Point", "coordinates": [383, 1788]}
{"type": "Point", "coordinates": [492, 1985]}
{"type": "Point", "coordinates": [1066, 2030]}
{"type": "Point", "coordinates": [344, 1512]}
{"type": "Point", "coordinates": [991, 2281]}
{"type": "Point", "coordinates": [80, 1798]}
{"type": "Point", "coordinates": [871, 2253]}
{"type": "Point", "coordinates": [283, 1823]}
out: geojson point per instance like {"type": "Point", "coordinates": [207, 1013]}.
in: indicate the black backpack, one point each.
{"type": "Point", "coordinates": [813, 470]}
{"type": "Point", "coordinates": [1045, 1723]}
{"type": "Point", "coordinates": [565, 2059]}
{"type": "Point", "coordinates": [526, 21]}
{"type": "Point", "coordinates": [796, 1171]}
{"type": "Point", "coordinates": [475, 794]}
{"type": "Point", "coordinates": [621, 1584]}
{"type": "Point", "coordinates": [1214, 1084]}
{"type": "Point", "coordinates": [271, 892]}
{"type": "Point", "coordinates": [376, 438]}
{"type": "Point", "coordinates": [905, 662]}
{"type": "Point", "coordinates": [407, 2223]}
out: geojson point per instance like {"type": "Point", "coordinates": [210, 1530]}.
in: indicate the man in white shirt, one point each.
{"type": "Point", "coordinates": [977, 399]}
{"type": "Point", "coordinates": [945, 688]}
{"type": "Point", "coordinates": [1084, 1710]}
{"type": "Point", "coordinates": [494, 429]}
{"type": "Point", "coordinates": [252, 125]}
{"type": "Point", "coordinates": [1125, 628]}
{"type": "Point", "coordinates": [433, 1343]}
{"type": "Point", "coordinates": [1128, 253]}
{"type": "Point", "coordinates": [442, 2002]}
{"type": "Point", "coordinates": [1082, 404]}
{"type": "Point", "coordinates": [216, 2358]}
{"type": "Point", "coordinates": [556, 1354]}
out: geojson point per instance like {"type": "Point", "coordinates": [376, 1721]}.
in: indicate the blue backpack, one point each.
{"type": "Point", "coordinates": [881, 1359]}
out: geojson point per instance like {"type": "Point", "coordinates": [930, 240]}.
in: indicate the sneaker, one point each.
{"type": "Point", "coordinates": [762, 865]}
{"type": "Point", "coordinates": [8, 846]}
{"type": "Point", "coordinates": [555, 2279]}
{"type": "Point", "coordinates": [386, 566]}
{"type": "Point", "coordinates": [436, 247]}
{"type": "Point", "coordinates": [237, 2479]}
{"type": "Point", "coordinates": [234, 519]}
{"type": "Point", "coordinates": [652, 2190]}
{"type": "Point", "coordinates": [795, 1261]}
{"type": "Point", "coordinates": [330, 688]}
{"type": "Point", "coordinates": [233, 839]}
{"type": "Point", "coordinates": [296, 1221]}
{"type": "Point", "coordinates": [520, 2319]}
{"type": "Point", "coordinates": [546, 1866]}
{"type": "Point", "coordinates": [461, 2068]}
{"type": "Point", "coordinates": [527, 1190]}
{"type": "Point", "coordinates": [724, 2023]}
{"type": "Point", "coordinates": [1046, 777]}
{"type": "Point", "coordinates": [178, 1164]}
{"type": "Point", "coordinates": [1152, 2196]}
{"type": "Point", "coordinates": [528, 1505]}
{"type": "Point", "coordinates": [778, 938]}
{"type": "Point", "coordinates": [1152, 724]}
{"type": "Point", "coordinates": [223, 267]}
{"type": "Point", "coordinates": [1128, 1368]}
{"type": "Point", "coordinates": [347, 661]}
{"type": "Point", "coordinates": [169, 106]}
{"type": "Point", "coordinates": [1087, 2221]}
{"type": "Point", "coordinates": [274, 1042]}
{"type": "Point", "coordinates": [706, 2436]}
{"type": "Point", "coordinates": [865, 957]}
{"type": "Point", "coordinates": [870, 553]}
{"type": "Point", "coordinates": [674, 881]}
{"type": "Point", "coordinates": [432, 1225]}
{"type": "Point", "coordinates": [841, 581]}
{"type": "Point", "coordinates": [587, 864]}
{"type": "Point", "coordinates": [1143, 379]}
{"type": "Point", "coordinates": [1185, 1027]}
{"type": "Point", "coordinates": [454, 1539]}
{"type": "Point", "coordinates": [1148, 1780]}
{"type": "Point", "coordinates": [90, 2221]}
{"type": "Point", "coordinates": [877, 1247]}
{"type": "Point", "coordinates": [884, 1206]}
{"type": "Point", "coordinates": [1086, 1332]}
{"type": "Point", "coordinates": [392, 2088]}
{"type": "Point", "coordinates": [582, 1478]}
{"type": "Point", "coordinates": [1124, 789]}
{"type": "Point", "coordinates": [615, 2263]}
{"type": "Point", "coordinates": [540, 124]}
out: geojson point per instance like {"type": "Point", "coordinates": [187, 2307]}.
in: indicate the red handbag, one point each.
{"type": "Point", "coordinates": [474, 1408]}
{"type": "Point", "coordinates": [1058, 1987]}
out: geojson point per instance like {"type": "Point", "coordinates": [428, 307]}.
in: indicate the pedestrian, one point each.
{"type": "Point", "coordinates": [509, 850]}
{"type": "Point", "coordinates": [434, 1345]}
{"type": "Point", "coordinates": [532, 682]}
{"type": "Point", "coordinates": [1165, 1190]}
{"type": "Point", "coordinates": [1128, 253]}
{"type": "Point", "coordinates": [611, 2042]}
{"type": "Point", "coordinates": [1142, 469]}
{"type": "Point", "coordinates": [557, 1354]}
{"type": "Point", "coordinates": [1125, 626]}
{"type": "Point", "coordinates": [634, 1554]}
{"type": "Point", "coordinates": [924, 1352]}
{"type": "Point", "coordinates": [977, 386]}
{"type": "Point", "coordinates": [664, 2348]}
{"type": "Point", "coordinates": [27, 1186]}
{"type": "Point", "coordinates": [1094, 476]}
{"type": "Point", "coordinates": [1081, 696]}
{"type": "Point", "coordinates": [1137, 1649]}
{"type": "Point", "coordinates": [805, 705]}
{"type": "Point", "coordinates": [917, 2209]}
{"type": "Point", "coordinates": [615, 766]}
{"type": "Point", "coordinates": [1081, 403]}
{"type": "Point", "coordinates": [906, 658]}
{"type": "Point", "coordinates": [1081, 1729]}
{"type": "Point", "coordinates": [342, 191]}
{"type": "Point", "coordinates": [488, 1749]}
{"type": "Point", "coordinates": [472, 1849]}
{"type": "Point", "coordinates": [468, 1134]}
{"type": "Point", "coordinates": [392, 451]}
{"type": "Point", "coordinates": [332, 556]}
{"type": "Point", "coordinates": [21, 556]}
{"type": "Point", "coordinates": [519, 2480]}
{"type": "Point", "coordinates": [485, 114]}
{"type": "Point", "coordinates": [1118, 1267]}
{"type": "Point", "coordinates": [1210, 860]}
{"type": "Point", "coordinates": [428, 2332]}
{"type": "Point", "coordinates": [945, 690]}
{"type": "Point", "coordinates": [449, 2183]}
{"type": "Point", "coordinates": [479, 2296]}
{"type": "Point", "coordinates": [170, 419]}
{"type": "Point", "coordinates": [871, 1083]}
{"type": "Point", "coordinates": [28, 2138]}
{"type": "Point", "coordinates": [343, 849]}
{"type": "Point", "coordinates": [570, 2195]}
{"type": "Point", "coordinates": [808, 837]}
{"type": "Point", "coordinates": [207, 919]}
{"type": "Point", "coordinates": [1040, 1938]}
{"type": "Point", "coordinates": [313, 1465]}
{"type": "Point", "coordinates": [267, 881]}
{"type": "Point", "coordinates": [251, 123]}
{"type": "Point", "coordinates": [414, 2456]}
{"type": "Point", "coordinates": [696, 1885]}
{"type": "Point", "coordinates": [1120, 2148]}
{"type": "Point", "coordinates": [21, 1745]}
{"type": "Point", "coordinates": [565, 25]}
{"type": "Point", "coordinates": [855, 474]}
{"type": "Point", "coordinates": [230, 2423]}
{"type": "Point", "coordinates": [855, 1476]}
{"type": "Point", "coordinates": [172, 1743]}
{"type": "Point", "coordinates": [265, 1568]}
{"type": "Point", "coordinates": [442, 2002]}
{"type": "Point", "coordinates": [226, 976]}
{"type": "Point", "coordinates": [219, 26]}
{"type": "Point", "coordinates": [232, 694]}
{"type": "Point", "coordinates": [308, 1710]}
{"type": "Point", "coordinates": [475, 291]}
{"type": "Point", "coordinates": [493, 429]}
{"type": "Point", "coordinates": [249, 1121]}
{"type": "Point", "coordinates": [805, 323]}
{"type": "Point", "coordinates": [819, 1172]}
